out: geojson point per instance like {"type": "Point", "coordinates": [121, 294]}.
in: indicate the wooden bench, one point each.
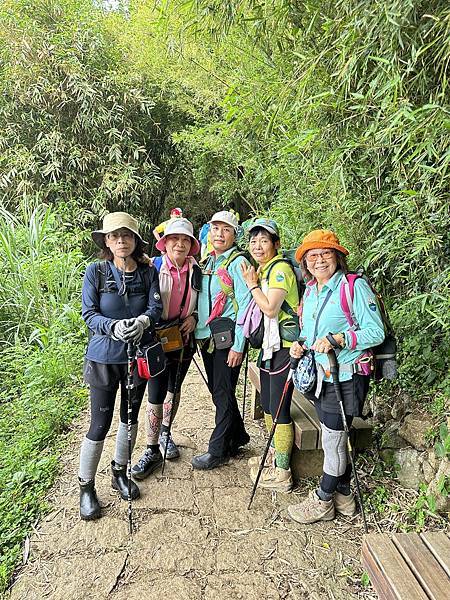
{"type": "Point", "coordinates": [408, 566]}
{"type": "Point", "coordinates": [307, 456]}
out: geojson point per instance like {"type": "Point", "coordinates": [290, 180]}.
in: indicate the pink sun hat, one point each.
{"type": "Point", "coordinates": [179, 226]}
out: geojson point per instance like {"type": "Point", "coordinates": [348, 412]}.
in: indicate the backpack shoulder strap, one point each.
{"type": "Point", "coordinates": [232, 257]}
{"type": "Point", "coordinates": [346, 296]}
{"type": "Point", "coordinates": [145, 271]}
{"type": "Point", "coordinates": [285, 306]}
{"type": "Point", "coordinates": [157, 262]}
{"type": "Point", "coordinates": [101, 268]}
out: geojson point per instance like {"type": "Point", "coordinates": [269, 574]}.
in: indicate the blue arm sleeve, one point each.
{"type": "Point", "coordinates": [243, 297]}
{"type": "Point", "coordinates": [367, 313]}
{"type": "Point", "coordinates": [90, 304]}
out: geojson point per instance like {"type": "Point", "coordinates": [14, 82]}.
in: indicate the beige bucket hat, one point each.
{"type": "Point", "coordinates": [114, 221]}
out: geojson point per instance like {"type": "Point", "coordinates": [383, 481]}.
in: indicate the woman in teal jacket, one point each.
{"type": "Point", "coordinates": [323, 261]}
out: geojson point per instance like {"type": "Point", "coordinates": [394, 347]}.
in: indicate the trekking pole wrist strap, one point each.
{"type": "Point", "coordinates": [333, 342]}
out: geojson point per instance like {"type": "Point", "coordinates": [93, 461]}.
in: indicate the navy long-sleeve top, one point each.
{"type": "Point", "coordinates": [102, 308]}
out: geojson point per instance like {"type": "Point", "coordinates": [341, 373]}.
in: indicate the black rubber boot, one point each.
{"type": "Point", "coordinates": [119, 482]}
{"type": "Point", "coordinates": [89, 506]}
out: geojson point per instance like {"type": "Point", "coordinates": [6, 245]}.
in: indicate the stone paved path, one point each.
{"type": "Point", "coordinates": [194, 539]}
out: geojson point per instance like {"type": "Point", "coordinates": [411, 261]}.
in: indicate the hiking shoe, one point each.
{"type": "Point", "coordinates": [273, 478]}
{"type": "Point", "coordinates": [148, 462]}
{"type": "Point", "coordinates": [345, 505]}
{"type": "Point", "coordinates": [255, 461]}
{"type": "Point", "coordinates": [172, 450]}
{"type": "Point", "coordinates": [312, 509]}
{"type": "Point", "coordinates": [206, 461]}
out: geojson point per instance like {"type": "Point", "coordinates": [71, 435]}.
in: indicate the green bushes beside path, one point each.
{"type": "Point", "coordinates": [42, 343]}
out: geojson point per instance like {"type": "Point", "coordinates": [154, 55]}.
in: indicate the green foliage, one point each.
{"type": "Point", "coordinates": [39, 397]}
{"type": "Point", "coordinates": [40, 286]}
{"type": "Point", "coordinates": [75, 128]}
{"type": "Point", "coordinates": [336, 115]}
{"type": "Point", "coordinates": [43, 342]}
{"type": "Point", "coordinates": [442, 446]}
{"type": "Point", "coordinates": [365, 579]}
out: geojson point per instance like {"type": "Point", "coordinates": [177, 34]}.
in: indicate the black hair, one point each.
{"type": "Point", "coordinates": [254, 231]}
{"type": "Point", "coordinates": [341, 261]}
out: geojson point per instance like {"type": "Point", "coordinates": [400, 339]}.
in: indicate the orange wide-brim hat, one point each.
{"type": "Point", "coordinates": [319, 238]}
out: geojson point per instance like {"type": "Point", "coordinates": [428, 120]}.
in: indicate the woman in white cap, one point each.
{"type": "Point", "coordinates": [179, 280]}
{"type": "Point", "coordinates": [222, 300]}
{"type": "Point", "coordinates": [121, 302]}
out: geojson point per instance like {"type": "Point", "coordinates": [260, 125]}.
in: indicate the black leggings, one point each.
{"type": "Point", "coordinates": [272, 380]}
{"type": "Point", "coordinates": [103, 401]}
{"type": "Point", "coordinates": [165, 382]}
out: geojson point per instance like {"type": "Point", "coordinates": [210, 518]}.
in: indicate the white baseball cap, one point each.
{"type": "Point", "coordinates": [225, 216]}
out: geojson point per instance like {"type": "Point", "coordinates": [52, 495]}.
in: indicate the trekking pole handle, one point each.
{"type": "Point", "coordinates": [293, 362]}
{"type": "Point", "coordinates": [332, 358]}
{"type": "Point", "coordinates": [130, 350]}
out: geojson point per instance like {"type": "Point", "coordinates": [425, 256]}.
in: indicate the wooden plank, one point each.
{"type": "Point", "coordinates": [361, 431]}
{"type": "Point", "coordinates": [305, 433]}
{"type": "Point", "coordinates": [423, 564]}
{"type": "Point", "coordinates": [253, 374]}
{"type": "Point", "coordinates": [256, 411]}
{"type": "Point", "coordinates": [439, 545]}
{"type": "Point", "coordinates": [308, 409]}
{"type": "Point", "coordinates": [306, 463]}
{"type": "Point", "coordinates": [390, 575]}
{"type": "Point", "coordinates": [361, 438]}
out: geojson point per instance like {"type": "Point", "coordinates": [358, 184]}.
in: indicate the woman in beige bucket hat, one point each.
{"type": "Point", "coordinates": [120, 303]}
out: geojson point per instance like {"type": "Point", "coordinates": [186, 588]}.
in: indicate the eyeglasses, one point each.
{"type": "Point", "coordinates": [115, 235]}
{"type": "Point", "coordinates": [325, 255]}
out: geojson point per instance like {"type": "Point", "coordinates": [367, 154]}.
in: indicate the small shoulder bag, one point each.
{"type": "Point", "coordinates": [170, 336]}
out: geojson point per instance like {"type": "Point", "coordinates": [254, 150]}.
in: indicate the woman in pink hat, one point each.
{"type": "Point", "coordinates": [179, 281]}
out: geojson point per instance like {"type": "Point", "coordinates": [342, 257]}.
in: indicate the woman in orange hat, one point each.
{"type": "Point", "coordinates": [323, 262]}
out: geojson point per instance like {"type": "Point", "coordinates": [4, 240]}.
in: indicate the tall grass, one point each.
{"type": "Point", "coordinates": [43, 338]}
{"type": "Point", "coordinates": [40, 269]}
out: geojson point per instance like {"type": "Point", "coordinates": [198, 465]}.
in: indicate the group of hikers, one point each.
{"type": "Point", "coordinates": [216, 308]}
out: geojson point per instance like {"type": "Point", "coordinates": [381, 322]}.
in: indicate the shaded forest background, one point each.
{"type": "Point", "coordinates": [321, 114]}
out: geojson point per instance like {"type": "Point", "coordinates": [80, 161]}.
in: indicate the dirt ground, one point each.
{"type": "Point", "coordinates": [194, 538]}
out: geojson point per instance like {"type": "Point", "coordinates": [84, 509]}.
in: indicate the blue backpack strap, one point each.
{"type": "Point", "coordinates": [157, 262]}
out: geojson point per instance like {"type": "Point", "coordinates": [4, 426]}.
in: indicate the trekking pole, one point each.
{"type": "Point", "coordinates": [245, 385]}
{"type": "Point", "coordinates": [130, 387]}
{"type": "Point", "coordinates": [293, 363]}
{"type": "Point", "coordinates": [337, 388]}
{"type": "Point", "coordinates": [200, 371]}
{"type": "Point", "coordinates": [172, 412]}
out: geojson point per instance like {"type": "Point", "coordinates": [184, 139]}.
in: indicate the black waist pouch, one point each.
{"type": "Point", "coordinates": [222, 331]}
{"type": "Point", "coordinates": [151, 360]}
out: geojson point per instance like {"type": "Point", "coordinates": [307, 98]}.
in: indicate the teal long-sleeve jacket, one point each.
{"type": "Point", "coordinates": [332, 320]}
{"type": "Point", "coordinates": [207, 296]}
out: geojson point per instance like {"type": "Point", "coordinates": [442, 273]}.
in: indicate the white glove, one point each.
{"type": "Point", "coordinates": [136, 330]}
{"type": "Point", "coordinates": [120, 330]}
